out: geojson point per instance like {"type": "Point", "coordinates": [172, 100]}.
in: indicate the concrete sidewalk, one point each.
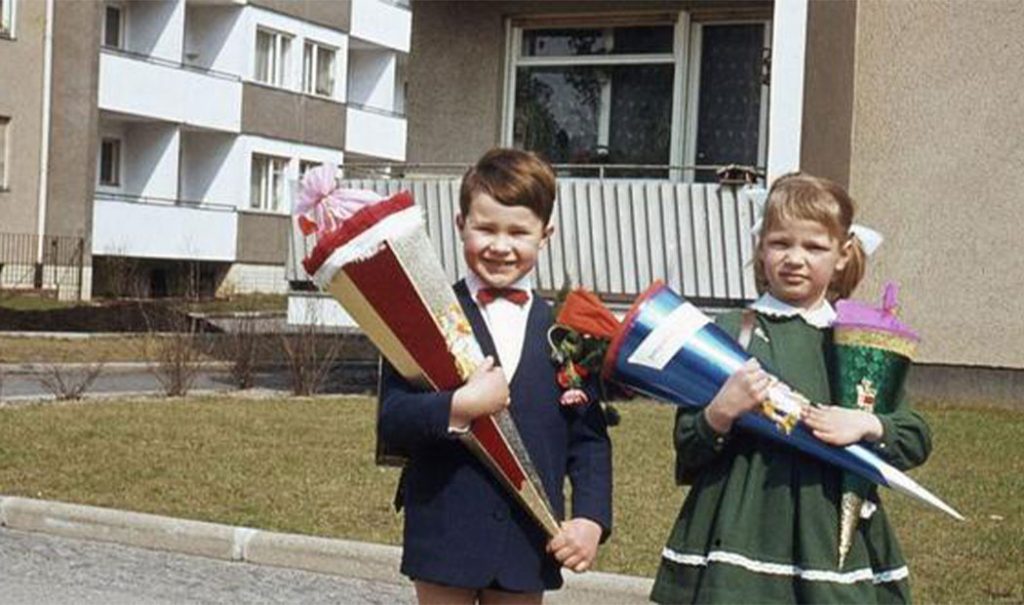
{"type": "Point", "coordinates": [360, 560]}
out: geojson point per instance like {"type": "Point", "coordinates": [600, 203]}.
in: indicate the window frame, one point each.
{"type": "Point", "coordinates": [121, 23]}
{"type": "Point", "coordinates": [279, 71]}
{"type": "Point", "coordinates": [266, 201]}
{"type": "Point", "coordinates": [693, 92]}
{"type": "Point", "coordinates": [5, 156]}
{"type": "Point", "coordinates": [310, 73]}
{"type": "Point", "coordinates": [118, 163]}
{"type": "Point", "coordinates": [685, 56]}
{"type": "Point", "coordinates": [307, 165]}
{"type": "Point", "coordinates": [8, 17]}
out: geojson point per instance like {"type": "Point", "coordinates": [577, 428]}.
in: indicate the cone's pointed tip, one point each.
{"type": "Point", "coordinates": [901, 482]}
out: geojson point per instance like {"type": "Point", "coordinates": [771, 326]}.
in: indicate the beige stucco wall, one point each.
{"type": "Point", "coordinates": [263, 238]}
{"type": "Point", "coordinates": [282, 114]}
{"type": "Point", "coordinates": [828, 89]}
{"type": "Point", "coordinates": [336, 14]}
{"type": "Point", "coordinates": [938, 142]}
{"type": "Point", "coordinates": [74, 118]}
{"type": "Point", "coordinates": [457, 61]}
{"type": "Point", "coordinates": [21, 82]}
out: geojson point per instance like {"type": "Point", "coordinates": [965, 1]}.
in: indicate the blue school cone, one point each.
{"type": "Point", "coordinates": [670, 350]}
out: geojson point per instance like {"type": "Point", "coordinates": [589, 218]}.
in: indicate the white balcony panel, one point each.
{"type": "Point", "coordinates": [152, 230]}
{"type": "Point", "coordinates": [381, 23]}
{"type": "Point", "coordinates": [166, 92]}
{"type": "Point", "coordinates": [375, 134]}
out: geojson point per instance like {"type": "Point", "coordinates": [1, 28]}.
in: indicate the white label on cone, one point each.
{"type": "Point", "coordinates": [669, 337]}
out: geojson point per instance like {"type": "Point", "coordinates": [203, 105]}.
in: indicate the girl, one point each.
{"type": "Point", "coordinates": [760, 522]}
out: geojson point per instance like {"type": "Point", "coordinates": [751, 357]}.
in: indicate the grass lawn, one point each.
{"type": "Point", "coordinates": [238, 302]}
{"type": "Point", "coordinates": [18, 349]}
{"type": "Point", "coordinates": [306, 465]}
{"type": "Point", "coordinates": [21, 302]}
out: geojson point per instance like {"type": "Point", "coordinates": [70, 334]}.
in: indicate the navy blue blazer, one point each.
{"type": "Point", "coordinates": [461, 526]}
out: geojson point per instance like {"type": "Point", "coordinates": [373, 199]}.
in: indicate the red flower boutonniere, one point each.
{"type": "Point", "coordinates": [579, 350]}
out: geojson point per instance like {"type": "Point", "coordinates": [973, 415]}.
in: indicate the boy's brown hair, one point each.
{"type": "Point", "coordinates": [801, 196]}
{"type": "Point", "coordinates": [512, 177]}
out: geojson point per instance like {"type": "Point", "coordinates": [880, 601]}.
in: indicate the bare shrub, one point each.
{"type": "Point", "coordinates": [310, 354]}
{"type": "Point", "coordinates": [243, 349]}
{"type": "Point", "coordinates": [67, 383]}
{"type": "Point", "coordinates": [121, 276]}
{"type": "Point", "coordinates": [176, 356]}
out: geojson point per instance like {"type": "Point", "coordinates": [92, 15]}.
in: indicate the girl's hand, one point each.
{"type": "Point", "coordinates": [741, 393]}
{"type": "Point", "coordinates": [485, 393]}
{"type": "Point", "coordinates": [575, 546]}
{"type": "Point", "coordinates": [842, 426]}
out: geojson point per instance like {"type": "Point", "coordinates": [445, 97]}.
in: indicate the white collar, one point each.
{"type": "Point", "coordinates": [475, 284]}
{"type": "Point", "coordinates": [820, 317]}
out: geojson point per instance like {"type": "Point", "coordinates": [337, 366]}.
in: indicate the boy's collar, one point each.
{"type": "Point", "coordinates": [474, 284]}
{"type": "Point", "coordinates": [820, 317]}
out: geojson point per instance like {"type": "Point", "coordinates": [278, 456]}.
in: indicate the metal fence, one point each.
{"type": "Point", "coordinates": [51, 264]}
{"type": "Point", "coordinates": [613, 236]}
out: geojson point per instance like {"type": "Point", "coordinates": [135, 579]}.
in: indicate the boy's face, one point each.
{"type": "Point", "coordinates": [501, 243]}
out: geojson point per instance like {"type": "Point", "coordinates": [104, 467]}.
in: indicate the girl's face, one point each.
{"type": "Point", "coordinates": [800, 258]}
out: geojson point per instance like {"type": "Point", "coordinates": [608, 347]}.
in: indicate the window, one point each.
{"type": "Point", "coordinates": [268, 174]}
{"type": "Point", "coordinates": [110, 162]}
{"type": "Point", "coordinates": [621, 94]}
{"type": "Point", "coordinates": [730, 121]}
{"type": "Point", "coordinates": [4, 127]}
{"type": "Point", "coordinates": [113, 26]}
{"type": "Point", "coordinates": [307, 165]}
{"type": "Point", "coordinates": [318, 69]}
{"type": "Point", "coordinates": [7, 18]}
{"type": "Point", "coordinates": [272, 51]}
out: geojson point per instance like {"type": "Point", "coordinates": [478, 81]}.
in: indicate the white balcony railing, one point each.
{"type": "Point", "coordinates": [155, 228]}
{"type": "Point", "coordinates": [613, 236]}
{"type": "Point", "coordinates": [167, 91]}
{"type": "Point", "coordinates": [375, 133]}
{"type": "Point", "coordinates": [383, 23]}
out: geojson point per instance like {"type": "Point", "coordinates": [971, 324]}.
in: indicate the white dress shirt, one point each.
{"type": "Point", "coordinates": [506, 321]}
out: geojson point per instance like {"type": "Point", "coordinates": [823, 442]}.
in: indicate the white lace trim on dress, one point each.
{"type": "Point", "coordinates": [781, 569]}
{"type": "Point", "coordinates": [821, 317]}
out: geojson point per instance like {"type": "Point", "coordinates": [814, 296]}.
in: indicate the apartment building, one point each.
{"type": "Point", "coordinates": [169, 134]}
{"type": "Point", "coordinates": [914, 106]}
{"type": "Point", "coordinates": [901, 102]}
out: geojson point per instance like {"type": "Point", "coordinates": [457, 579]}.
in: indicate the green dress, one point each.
{"type": "Point", "coordinates": [761, 521]}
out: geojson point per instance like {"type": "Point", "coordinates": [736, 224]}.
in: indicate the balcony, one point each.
{"type": "Point", "coordinates": [613, 236]}
{"type": "Point", "coordinates": [382, 23]}
{"type": "Point", "coordinates": [375, 133]}
{"type": "Point", "coordinates": [161, 228]}
{"type": "Point", "coordinates": [168, 91]}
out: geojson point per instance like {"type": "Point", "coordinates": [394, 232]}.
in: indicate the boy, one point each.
{"type": "Point", "coordinates": [465, 537]}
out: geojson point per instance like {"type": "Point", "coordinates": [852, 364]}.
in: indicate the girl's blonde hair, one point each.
{"type": "Point", "coordinates": [800, 196]}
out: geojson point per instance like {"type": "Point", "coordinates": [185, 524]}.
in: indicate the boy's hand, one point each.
{"type": "Point", "coordinates": [575, 546]}
{"type": "Point", "coordinates": [742, 392]}
{"type": "Point", "coordinates": [842, 426]}
{"type": "Point", "coordinates": [485, 393]}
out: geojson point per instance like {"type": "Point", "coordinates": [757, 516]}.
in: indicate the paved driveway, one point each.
{"type": "Point", "coordinates": [39, 568]}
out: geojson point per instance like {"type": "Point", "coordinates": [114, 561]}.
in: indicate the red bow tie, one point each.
{"type": "Point", "coordinates": [487, 295]}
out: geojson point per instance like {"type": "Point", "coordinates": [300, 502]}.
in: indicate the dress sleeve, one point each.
{"type": "Point", "coordinates": [697, 444]}
{"type": "Point", "coordinates": [589, 463]}
{"type": "Point", "coordinates": [411, 417]}
{"type": "Point", "coordinates": [906, 439]}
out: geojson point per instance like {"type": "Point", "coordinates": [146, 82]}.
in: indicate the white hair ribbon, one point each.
{"type": "Point", "coordinates": [870, 239]}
